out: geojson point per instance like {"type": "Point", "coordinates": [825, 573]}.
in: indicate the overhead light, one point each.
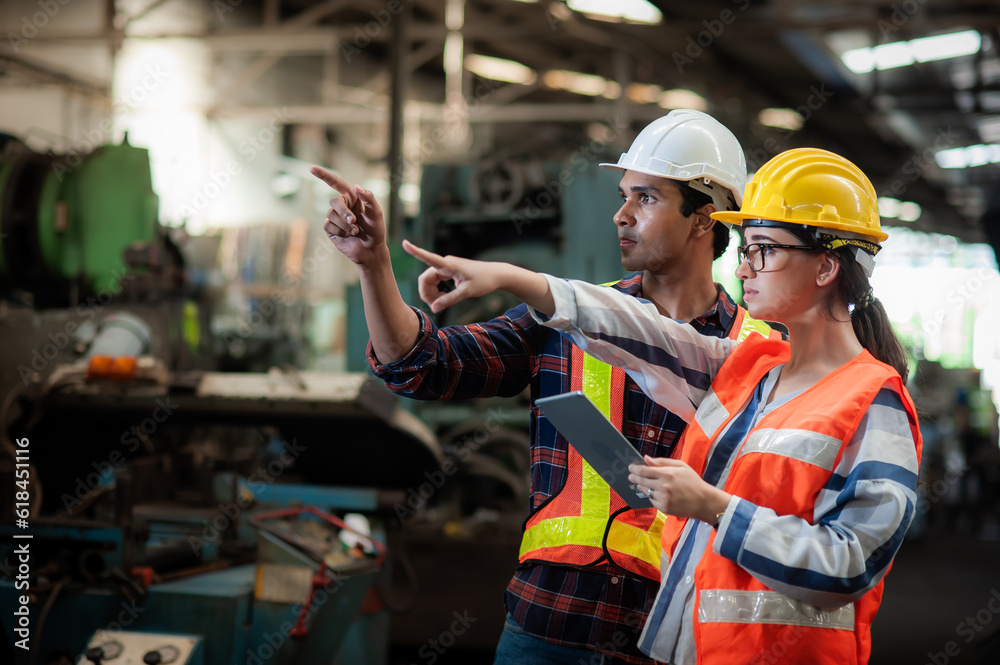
{"type": "Point", "coordinates": [643, 93]}
{"type": "Point", "coordinates": [600, 133]}
{"type": "Point", "coordinates": [379, 187]}
{"type": "Point", "coordinates": [888, 207]}
{"type": "Point", "coordinates": [989, 128]}
{"type": "Point", "coordinates": [582, 84]}
{"type": "Point", "coordinates": [453, 47]}
{"type": "Point", "coordinates": [942, 47]}
{"type": "Point", "coordinates": [499, 69]}
{"type": "Point", "coordinates": [909, 211]}
{"type": "Point", "coordinates": [454, 15]}
{"type": "Point", "coordinates": [968, 156]}
{"type": "Point", "coordinates": [683, 99]}
{"type": "Point", "coordinates": [904, 211]}
{"type": "Point", "coordinates": [923, 49]}
{"type": "Point", "coordinates": [781, 118]}
{"type": "Point", "coordinates": [617, 11]}
{"type": "Point", "coordinates": [409, 192]}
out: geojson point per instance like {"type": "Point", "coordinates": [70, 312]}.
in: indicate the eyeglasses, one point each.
{"type": "Point", "coordinates": [754, 253]}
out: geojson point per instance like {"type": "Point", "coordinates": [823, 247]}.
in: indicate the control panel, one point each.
{"type": "Point", "coordinates": [117, 648]}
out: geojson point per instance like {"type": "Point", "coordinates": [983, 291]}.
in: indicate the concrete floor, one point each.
{"type": "Point", "coordinates": [941, 604]}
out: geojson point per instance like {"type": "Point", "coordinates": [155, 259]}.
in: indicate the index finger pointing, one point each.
{"type": "Point", "coordinates": [331, 179]}
{"type": "Point", "coordinates": [430, 258]}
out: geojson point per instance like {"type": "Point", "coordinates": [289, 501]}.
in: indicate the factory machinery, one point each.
{"type": "Point", "coordinates": [180, 514]}
{"type": "Point", "coordinates": [174, 514]}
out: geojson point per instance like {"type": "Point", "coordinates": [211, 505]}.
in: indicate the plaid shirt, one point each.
{"type": "Point", "coordinates": [600, 607]}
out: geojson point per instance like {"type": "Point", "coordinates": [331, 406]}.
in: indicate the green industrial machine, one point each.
{"type": "Point", "coordinates": [66, 220]}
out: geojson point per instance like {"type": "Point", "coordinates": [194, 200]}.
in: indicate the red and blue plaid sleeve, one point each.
{"type": "Point", "coordinates": [496, 358]}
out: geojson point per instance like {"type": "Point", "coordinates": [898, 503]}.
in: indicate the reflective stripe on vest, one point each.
{"type": "Point", "coordinates": [770, 607]}
{"type": "Point", "coordinates": [586, 526]}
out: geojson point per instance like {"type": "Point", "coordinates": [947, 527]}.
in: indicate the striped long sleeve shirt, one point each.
{"type": "Point", "coordinates": [859, 519]}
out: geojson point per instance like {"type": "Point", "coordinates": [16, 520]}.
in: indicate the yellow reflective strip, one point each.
{"type": "Point", "coordinates": [595, 494]}
{"type": "Point", "coordinates": [597, 383]}
{"type": "Point", "coordinates": [570, 530]}
{"type": "Point", "coordinates": [752, 325]}
{"type": "Point", "coordinates": [588, 528]}
{"type": "Point", "coordinates": [640, 543]}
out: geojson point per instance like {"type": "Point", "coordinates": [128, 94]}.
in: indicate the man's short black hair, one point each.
{"type": "Point", "coordinates": [693, 200]}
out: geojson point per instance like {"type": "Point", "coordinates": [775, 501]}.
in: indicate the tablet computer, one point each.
{"type": "Point", "coordinates": [598, 441]}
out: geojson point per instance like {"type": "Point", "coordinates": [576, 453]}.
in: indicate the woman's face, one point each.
{"type": "Point", "coordinates": [780, 283]}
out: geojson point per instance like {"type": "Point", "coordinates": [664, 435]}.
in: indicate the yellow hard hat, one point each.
{"type": "Point", "coordinates": [811, 187]}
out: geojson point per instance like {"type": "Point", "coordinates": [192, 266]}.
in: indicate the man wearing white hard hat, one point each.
{"type": "Point", "coordinates": [588, 568]}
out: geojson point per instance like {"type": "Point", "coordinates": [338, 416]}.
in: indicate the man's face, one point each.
{"type": "Point", "coordinates": [652, 232]}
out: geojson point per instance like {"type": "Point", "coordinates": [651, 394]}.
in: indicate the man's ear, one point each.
{"type": "Point", "coordinates": [703, 222]}
{"type": "Point", "coordinates": [828, 269]}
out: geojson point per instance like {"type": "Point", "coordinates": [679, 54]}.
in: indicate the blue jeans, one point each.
{"type": "Point", "coordinates": [516, 647]}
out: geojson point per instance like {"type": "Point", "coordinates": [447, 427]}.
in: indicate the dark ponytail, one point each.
{"type": "Point", "coordinates": [868, 317]}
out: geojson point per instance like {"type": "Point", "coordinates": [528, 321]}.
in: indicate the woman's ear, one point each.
{"type": "Point", "coordinates": [828, 269]}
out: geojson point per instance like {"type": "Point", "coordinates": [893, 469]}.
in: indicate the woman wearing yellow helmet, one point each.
{"type": "Point", "coordinates": [795, 481]}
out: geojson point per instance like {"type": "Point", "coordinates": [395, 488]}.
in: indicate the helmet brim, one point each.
{"type": "Point", "coordinates": [737, 195]}
{"type": "Point", "coordinates": [737, 217]}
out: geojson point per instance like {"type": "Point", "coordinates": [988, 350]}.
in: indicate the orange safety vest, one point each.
{"type": "Point", "coordinates": [736, 617]}
{"type": "Point", "coordinates": [586, 523]}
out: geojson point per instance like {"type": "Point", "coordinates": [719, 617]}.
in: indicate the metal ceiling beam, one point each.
{"type": "Point", "coordinates": [305, 41]}
{"type": "Point", "coordinates": [261, 65]}
{"type": "Point", "coordinates": [57, 76]}
{"type": "Point", "coordinates": [254, 39]}
{"type": "Point", "coordinates": [428, 112]}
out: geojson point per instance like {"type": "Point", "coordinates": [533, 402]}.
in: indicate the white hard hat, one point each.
{"type": "Point", "coordinates": [694, 147]}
